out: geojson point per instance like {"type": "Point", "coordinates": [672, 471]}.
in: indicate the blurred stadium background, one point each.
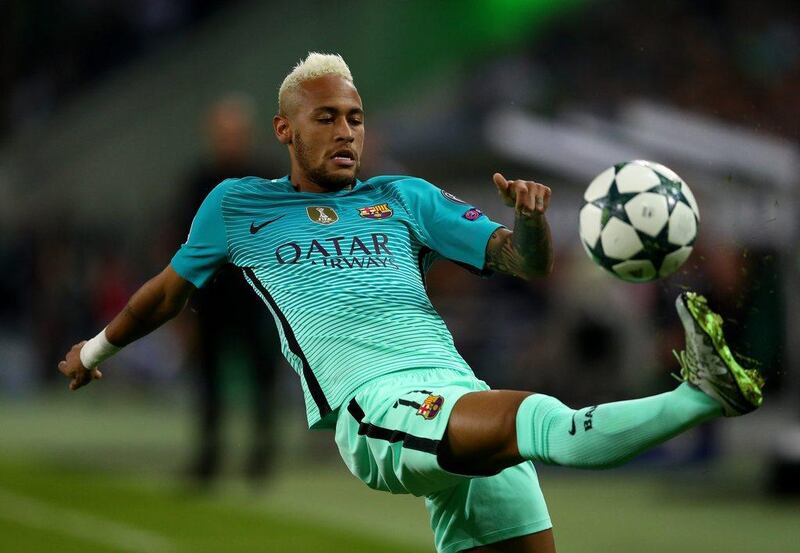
{"type": "Point", "coordinates": [101, 115]}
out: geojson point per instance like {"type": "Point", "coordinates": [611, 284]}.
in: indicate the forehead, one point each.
{"type": "Point", "coordinates": [328, 91]}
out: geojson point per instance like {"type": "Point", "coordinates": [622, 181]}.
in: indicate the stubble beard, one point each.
{"type": "Point", "coordinates": [318, 175]}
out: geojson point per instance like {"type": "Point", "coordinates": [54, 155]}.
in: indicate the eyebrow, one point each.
{"type": "Point", "coordinates": [333, 110]}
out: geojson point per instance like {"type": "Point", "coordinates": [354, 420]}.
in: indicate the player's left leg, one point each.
{"type": "Point", "coordinates": [489, 431]}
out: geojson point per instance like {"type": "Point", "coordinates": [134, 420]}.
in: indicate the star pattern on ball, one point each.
{"type": "Point", "coordinates": [670, 189]}
{"type": "Point", "coordinates": [613, 204]}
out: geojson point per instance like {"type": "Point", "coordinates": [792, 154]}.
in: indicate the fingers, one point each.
{"type": "Point", "coordinates": [500, 182]}
{"type": "Point", "coordinates": [525, 196]}
{"type": "Point", "coordinates": [80, 379]}
{"type": "Point", "coordinates": [72, 368]}
{"type": "Point", "coordinates": [503, 189]}
{"type": "Point", "coordinates": [530, 196]}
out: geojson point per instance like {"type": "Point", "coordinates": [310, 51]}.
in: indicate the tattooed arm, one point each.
{"type": "Point", "coordinates": [528, 251]}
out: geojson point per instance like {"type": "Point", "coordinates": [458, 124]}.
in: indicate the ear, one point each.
{"type": "Point", "coordinates": [283, 131]}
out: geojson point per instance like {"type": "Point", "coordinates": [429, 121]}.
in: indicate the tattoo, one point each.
{"type": "Point", "coordinates": [527, 252]}
{"type": "Point", "coordinates": [502, 256]}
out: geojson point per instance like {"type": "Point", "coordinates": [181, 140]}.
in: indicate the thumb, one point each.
{"type": "Point", "coordinates": [96, 374]}
{"type": "Point", "coordinates": [500, 182]}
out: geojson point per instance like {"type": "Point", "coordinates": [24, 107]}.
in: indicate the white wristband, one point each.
{"type": "Point", "coordinates": [97, 350]}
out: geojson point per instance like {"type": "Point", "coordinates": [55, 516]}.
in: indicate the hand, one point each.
{"type": "Point", "coordinates": [72, 368]}
{"type": "Point", "coordinates": [526, 197]}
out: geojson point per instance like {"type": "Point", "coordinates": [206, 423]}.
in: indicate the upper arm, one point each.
{"type": "Point", "coordinates": [448, 225]}
{"type": "Point", "coordinates": [174, 287]}
{"type": "Point", "coordinates": [206, 247]}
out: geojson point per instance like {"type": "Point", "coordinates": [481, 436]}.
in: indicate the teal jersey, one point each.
{"type": "Point", "coordinates": [342, 273]}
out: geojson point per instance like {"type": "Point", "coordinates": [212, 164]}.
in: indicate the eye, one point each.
{"type": "Point", "coordinates": [325, 120]}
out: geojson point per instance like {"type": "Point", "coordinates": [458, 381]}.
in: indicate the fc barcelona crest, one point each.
{"type": "Point", "coordinates": [322, 215]}
{"type": "Point", "coordinates": [430, 407]}
{"type": "Point", "coordinates": [380, 211]}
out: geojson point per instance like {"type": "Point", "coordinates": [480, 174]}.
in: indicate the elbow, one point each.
{"type": "Point", "coordinates": [174, 306]}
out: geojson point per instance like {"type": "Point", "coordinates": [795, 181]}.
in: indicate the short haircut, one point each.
{"type": "Point", "coordinates": [315, 65]}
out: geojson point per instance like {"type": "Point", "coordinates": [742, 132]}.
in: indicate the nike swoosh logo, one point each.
{"type": "Point", "coordinates": [255, 228]}
{"type": "Point", "coordinates": [572, 430]}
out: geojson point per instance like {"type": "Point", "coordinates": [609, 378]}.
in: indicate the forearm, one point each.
{"type": "Point", "coordinates": [151, 306]}
{"type": "Point", "coordinates": [525, 253]}
{"type": "Point", "coordinates": [532, 240]}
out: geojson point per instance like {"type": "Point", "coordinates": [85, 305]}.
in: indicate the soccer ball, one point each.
{"type": "Point", "coordinates": [639, 221]}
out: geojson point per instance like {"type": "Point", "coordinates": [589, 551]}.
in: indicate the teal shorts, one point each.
{"type": "Point", "coordinates": [388, 435]}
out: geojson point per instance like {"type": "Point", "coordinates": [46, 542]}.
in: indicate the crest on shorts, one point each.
{"type": "Point", "coordinates": [322, 215]}
{"type": "Point", "coordinates": [380, 211]}
{"type": "Point", "coordinates": [430, 407]}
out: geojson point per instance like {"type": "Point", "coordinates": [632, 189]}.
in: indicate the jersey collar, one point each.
{"type": "Point", "coordinates": [287, 183]}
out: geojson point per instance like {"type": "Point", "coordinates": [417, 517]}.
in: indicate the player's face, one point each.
{"type": "Point", "coordinates": [327, 130]}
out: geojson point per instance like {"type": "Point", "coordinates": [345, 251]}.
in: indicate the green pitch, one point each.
{"type": "Point", "coordinates": [92, 475]}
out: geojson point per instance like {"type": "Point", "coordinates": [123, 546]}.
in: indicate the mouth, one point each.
{"type": "Point", "coordinates": [344, 158]}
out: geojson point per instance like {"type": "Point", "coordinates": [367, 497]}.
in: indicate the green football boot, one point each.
{"type": "Point", "coordinates": [708, 364]}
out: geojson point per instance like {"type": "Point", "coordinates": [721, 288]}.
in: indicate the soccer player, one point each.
{"type": "Point", "coordinates": [341, 264]}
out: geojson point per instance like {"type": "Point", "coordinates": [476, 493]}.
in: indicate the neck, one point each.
{"type": "Point", "coordinates": [301, 183]}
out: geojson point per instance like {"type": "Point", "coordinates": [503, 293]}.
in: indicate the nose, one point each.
{"type": "Point", "coordinates": [344, 131]}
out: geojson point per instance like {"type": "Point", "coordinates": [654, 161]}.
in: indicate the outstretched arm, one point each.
{"type": "Point", "coordinates": [528, 251]}
{"type": "Point", "coordinates": [159, 300]}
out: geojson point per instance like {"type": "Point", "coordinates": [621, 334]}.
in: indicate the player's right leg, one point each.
{"type": "Point", "coordinates": [539, 542]}
{"type": "Point", "coordinates": [605, 435]}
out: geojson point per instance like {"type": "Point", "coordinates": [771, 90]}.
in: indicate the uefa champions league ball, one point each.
{"type": "Point", "coordinates": [639, 221]}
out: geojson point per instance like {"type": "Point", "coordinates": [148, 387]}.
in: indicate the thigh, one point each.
{"type": "Point", "coordinates": [540, 542]}
{"type": "Point", "coordinates": [496, 511]}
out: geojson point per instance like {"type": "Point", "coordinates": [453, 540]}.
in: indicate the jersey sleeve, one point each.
{"type": "Point", "coordinates": [206, 247]}
{"type": "Point", "coordinates": [453, 228]}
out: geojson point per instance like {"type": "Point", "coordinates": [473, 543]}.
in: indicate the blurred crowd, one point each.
{"type": "Point", "coordinates": [53, 49]}
{"type": "Point", "coordinates": [733, 59]}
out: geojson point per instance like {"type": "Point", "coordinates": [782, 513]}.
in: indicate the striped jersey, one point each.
{"type": "Point", "coordinates": [341, 272]}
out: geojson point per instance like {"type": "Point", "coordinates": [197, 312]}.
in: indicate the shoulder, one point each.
{"type": "Point", "coordinates": [245, 187]}
{"type": "Point", "coordinates": [248, 183]}
{"type": "Point", "coordinates": [404, 184]}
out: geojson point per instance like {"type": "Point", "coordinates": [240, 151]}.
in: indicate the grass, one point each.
{"type": "Point", "coordinates": [88, 474]}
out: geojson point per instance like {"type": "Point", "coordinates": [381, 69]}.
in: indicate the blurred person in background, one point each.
{"type": "Point", "coordinates": [227, 312]}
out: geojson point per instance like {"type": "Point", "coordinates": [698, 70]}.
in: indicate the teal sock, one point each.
{"type": "Point", "coordinates": [609, 434]}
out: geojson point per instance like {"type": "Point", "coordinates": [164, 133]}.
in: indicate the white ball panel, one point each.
{"type": "Point", "coordinates": [599, 186]}
{"type": "Point", "coordinates": [673, 261]}
{"type": "Point", "coordinates": [690, 198]}
{"type": "Point", "coordinates": [635, 270]}
{"type": "Point", "coordinates": [590, 224]}
{"type": "Point", "coordinates": [636, 178]}
{"type": "Point", "coordinates": [587, 250]}
{"type": "Point", "coordinates": [682, 225]}
{"type": "Point", "coordinates": [620, 240]}
{"type": "Point", "coordinates": [648, 212]}
{"type": "Point", "coordinates": [664, 170]}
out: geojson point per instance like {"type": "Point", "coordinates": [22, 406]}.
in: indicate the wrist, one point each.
{"type": "Point", "coordinates": [97, 350]}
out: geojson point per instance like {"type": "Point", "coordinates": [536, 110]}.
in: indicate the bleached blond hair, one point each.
{"type": "Point", "coordinates": [315, 65]}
